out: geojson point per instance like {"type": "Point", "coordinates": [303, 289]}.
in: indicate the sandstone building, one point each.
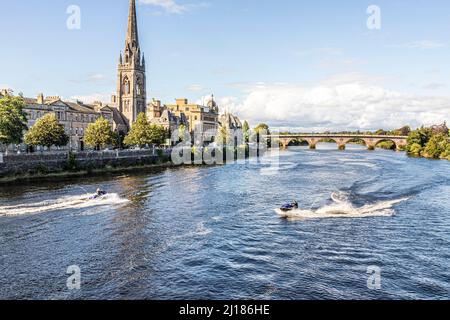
{"type": "Point", "coordinates": [199, 118]}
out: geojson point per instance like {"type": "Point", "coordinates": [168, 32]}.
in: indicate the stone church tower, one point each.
{"type": "Point", "coordinates": [131, 87]}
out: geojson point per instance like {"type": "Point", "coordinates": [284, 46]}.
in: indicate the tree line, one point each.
{"type": "Point", "coordinates": [432, 143]}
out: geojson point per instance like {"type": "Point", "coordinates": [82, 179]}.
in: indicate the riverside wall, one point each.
{"type": "Point", "coordinates": [21, 164]}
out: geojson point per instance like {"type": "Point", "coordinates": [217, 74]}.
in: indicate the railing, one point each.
{"type": "Point", "coordinates": [331, 135]}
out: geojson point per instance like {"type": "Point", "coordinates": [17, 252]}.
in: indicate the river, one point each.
{"type": "Point", "coordinates": [213, 233]}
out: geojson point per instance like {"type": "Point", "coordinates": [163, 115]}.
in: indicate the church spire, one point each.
{"type": "Point", "coordinates": [132, 34]}
{"type": "Point", "coordinates": [131, 85]}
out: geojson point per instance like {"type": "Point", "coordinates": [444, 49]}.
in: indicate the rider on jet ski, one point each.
{"type": "Point", "coordinates": [290, 206]}
{"type": "Point", "coordinates": [99, 193]}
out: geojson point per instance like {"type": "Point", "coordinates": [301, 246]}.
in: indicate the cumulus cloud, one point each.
{"type": "Point", "coordinates": [333, 106]}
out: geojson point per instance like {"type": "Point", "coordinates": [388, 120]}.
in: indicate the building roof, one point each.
{"type": "Point", "coordinates": [77, 106]}
{"type": "Point", "coordinates": [230, 121]}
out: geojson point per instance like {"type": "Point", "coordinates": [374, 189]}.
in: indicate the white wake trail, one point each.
{"type": "Point", "coordinates": [69, 202]}
{"type": "Point", "coordinates": [342, 208]}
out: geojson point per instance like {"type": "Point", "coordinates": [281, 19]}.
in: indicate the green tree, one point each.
{"type": "Point", "coordinates": [13, 120]}
{"type": "Point", "coordinates": [436, 147]}
{"type": "Point", "coordinates": [181, 132]}
{"type": "Point", "coordinates": [143, 133]}
{"type": "Point", "coordinates": [99, 134]}
{"type": "Point", "coordinates": [404, 131]}
{"type": "Point", "coordinates": [158, 134]}
{"type": "Point", "coordinates": [139, 134]}
{"type": "Point", "coordinates": [262, 128]}
{"type": "Point", "coordinates": [246, 131]}
{"type": "Point", "coordinates": [418, 138]}
{"type": "Point", "coordinates": [117, 139]}
{"type": "Point", "coordinates": [446, 153]}
{"type": "Point", "coordinates": [223, 137]}
{"type": "Point", "coordinates": [47, 132]}
{"type": "Point", "coordinates": [380, 132]}
{"type": "Point", "coordinates": [415, 149]}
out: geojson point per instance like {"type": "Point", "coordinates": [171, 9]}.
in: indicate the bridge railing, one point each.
{"type": "Point", "coordinates": [335, 135]}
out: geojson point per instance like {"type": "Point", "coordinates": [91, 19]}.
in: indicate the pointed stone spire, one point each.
{"type": "Point", "coordinates": [120, 58]}
{"type": "Point", "coordinates": [132, 34]}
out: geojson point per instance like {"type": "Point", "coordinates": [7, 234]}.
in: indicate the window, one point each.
{"type": "Point", "coordinates": [139, 89]}
{"type": "Point", "coordinates": [126, 86]}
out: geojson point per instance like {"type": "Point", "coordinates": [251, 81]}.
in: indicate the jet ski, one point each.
{"type": "Point", "coordinates": [289, 207]}
{"type": "Point", "coordinates": [99, 194]}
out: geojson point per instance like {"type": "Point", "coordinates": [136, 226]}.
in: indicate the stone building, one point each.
{"type": "Point", "coordinates": [74, 116]}
{"type": "Point", "coordinates": [158, 114]}
{"type": "Point", "coordinates": [230, 122]}
{"type": "Point", "coordinates": [200, 118]}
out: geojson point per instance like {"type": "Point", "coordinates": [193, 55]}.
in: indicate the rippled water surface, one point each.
{"type": "Point", "coordinates": [213, 233]}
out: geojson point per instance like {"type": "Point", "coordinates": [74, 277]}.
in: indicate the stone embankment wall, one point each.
{"type": "Point", "coordinates": [18, 164]}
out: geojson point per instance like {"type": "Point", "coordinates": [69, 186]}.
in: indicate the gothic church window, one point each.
{"type": "Point", "coordinates": [126, 86]}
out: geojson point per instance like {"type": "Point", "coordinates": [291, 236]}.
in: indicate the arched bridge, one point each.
{"type": "Point", "coordinates": [371, 141]}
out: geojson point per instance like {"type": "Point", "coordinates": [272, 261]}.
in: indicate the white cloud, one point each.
{"type": "Point", "coordinates": [434, 86]}
{"type": "Point", "coordinates": [96, 77]}
{"type": "Point", "coordinates": [424, 45]}
{"type": "Point", "coordinates": [103, 97]}
{"type": "Point", "coordinates": [172, 6]}
{"type": "Point", "coordinates": [333, 105]}
{"type": "Point", "coordinates": [195, 87]}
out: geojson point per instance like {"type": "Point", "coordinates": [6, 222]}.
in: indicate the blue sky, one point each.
{"type": "Point", "coordinates": [305, 64]}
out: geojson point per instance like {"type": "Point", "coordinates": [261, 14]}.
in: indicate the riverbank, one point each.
{"type": "Point", "coordinates": [27, 177]}
{"type": "Point", "coordinates": [24, 167]}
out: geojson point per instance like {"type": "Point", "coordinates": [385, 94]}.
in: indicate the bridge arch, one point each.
{"type": "Point", "coordinates": [357, 141]}
{"type": "Point", "coordinates": [390, 144]}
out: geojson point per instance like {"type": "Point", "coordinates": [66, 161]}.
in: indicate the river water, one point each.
{"type": "Point", "coordinates": [213, 233]}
